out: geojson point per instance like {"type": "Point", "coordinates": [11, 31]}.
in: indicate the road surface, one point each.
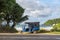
{"type": "Point", "coordinates": [29, 37]}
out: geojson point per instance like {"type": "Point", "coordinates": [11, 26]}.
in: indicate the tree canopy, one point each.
{"type": "Point", "coordinates": [53, 21]}
{"type": "Point", "coordinates": [6, 3]}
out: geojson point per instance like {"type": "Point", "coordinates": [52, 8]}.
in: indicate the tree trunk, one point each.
{"type": "Point", "coordinates": [7, 23]}
{"type": "Point", "coordinates": [6, 26]}
{"type": "Point", "coordinates": [13, 25]}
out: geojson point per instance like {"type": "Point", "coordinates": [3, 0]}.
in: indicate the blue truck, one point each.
{"type": "Point", "coordinates": [32, 26]}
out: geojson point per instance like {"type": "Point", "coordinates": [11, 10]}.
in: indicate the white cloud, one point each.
{"type": "Point", "coordinates": [41, 8]}
{"type": "Point", "coordinates": [38, 8]}
{"type": "Point", "coordinates": [39, 13]}
{"type": "Point", "coordinates": [34, 7]}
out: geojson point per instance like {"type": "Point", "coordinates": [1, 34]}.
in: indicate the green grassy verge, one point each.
{"type": "Point", "coordinates": [55, 32]}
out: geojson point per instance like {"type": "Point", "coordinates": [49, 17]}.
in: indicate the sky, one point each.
{"type": "Point", "coordinates": [40, 10]}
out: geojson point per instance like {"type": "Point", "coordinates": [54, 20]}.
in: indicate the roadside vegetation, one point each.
{"type": "Point", "coordinates": [55, 23]}
{"type": "Point", "coordinates": [7, 30]}
{"type": "Point", "coordinates": [52, 21]}
{"type": "Point", "coordinates": [43, 31]}
{"type": "Point", "coordinates": [56, 28]}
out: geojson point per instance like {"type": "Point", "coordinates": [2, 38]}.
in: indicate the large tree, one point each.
{"type": "Point", "coordinates": [12, 12]}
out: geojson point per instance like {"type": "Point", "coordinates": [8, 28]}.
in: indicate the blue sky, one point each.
{"type": "Point", "coordinates": [40, 10]}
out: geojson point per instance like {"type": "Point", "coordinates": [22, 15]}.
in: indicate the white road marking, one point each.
{"type": "Point", "coordinates": [57, 38]}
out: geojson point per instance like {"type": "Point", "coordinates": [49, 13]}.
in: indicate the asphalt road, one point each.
{"type": "Point", "coordinates": [29, 37]}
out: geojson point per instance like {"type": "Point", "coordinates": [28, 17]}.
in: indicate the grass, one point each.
{"type": "Point", "coordinates": [55, 32]}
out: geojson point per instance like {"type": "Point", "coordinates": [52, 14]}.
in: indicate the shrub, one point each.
{"type": "Point", "coordinates": [13, 30]}
{"type": "Point", "coordinates": [55, 30]}
{"type": "Point", "coordinates": [7, 30]}
{"type": "Point", "coordinates": [56, 27]}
